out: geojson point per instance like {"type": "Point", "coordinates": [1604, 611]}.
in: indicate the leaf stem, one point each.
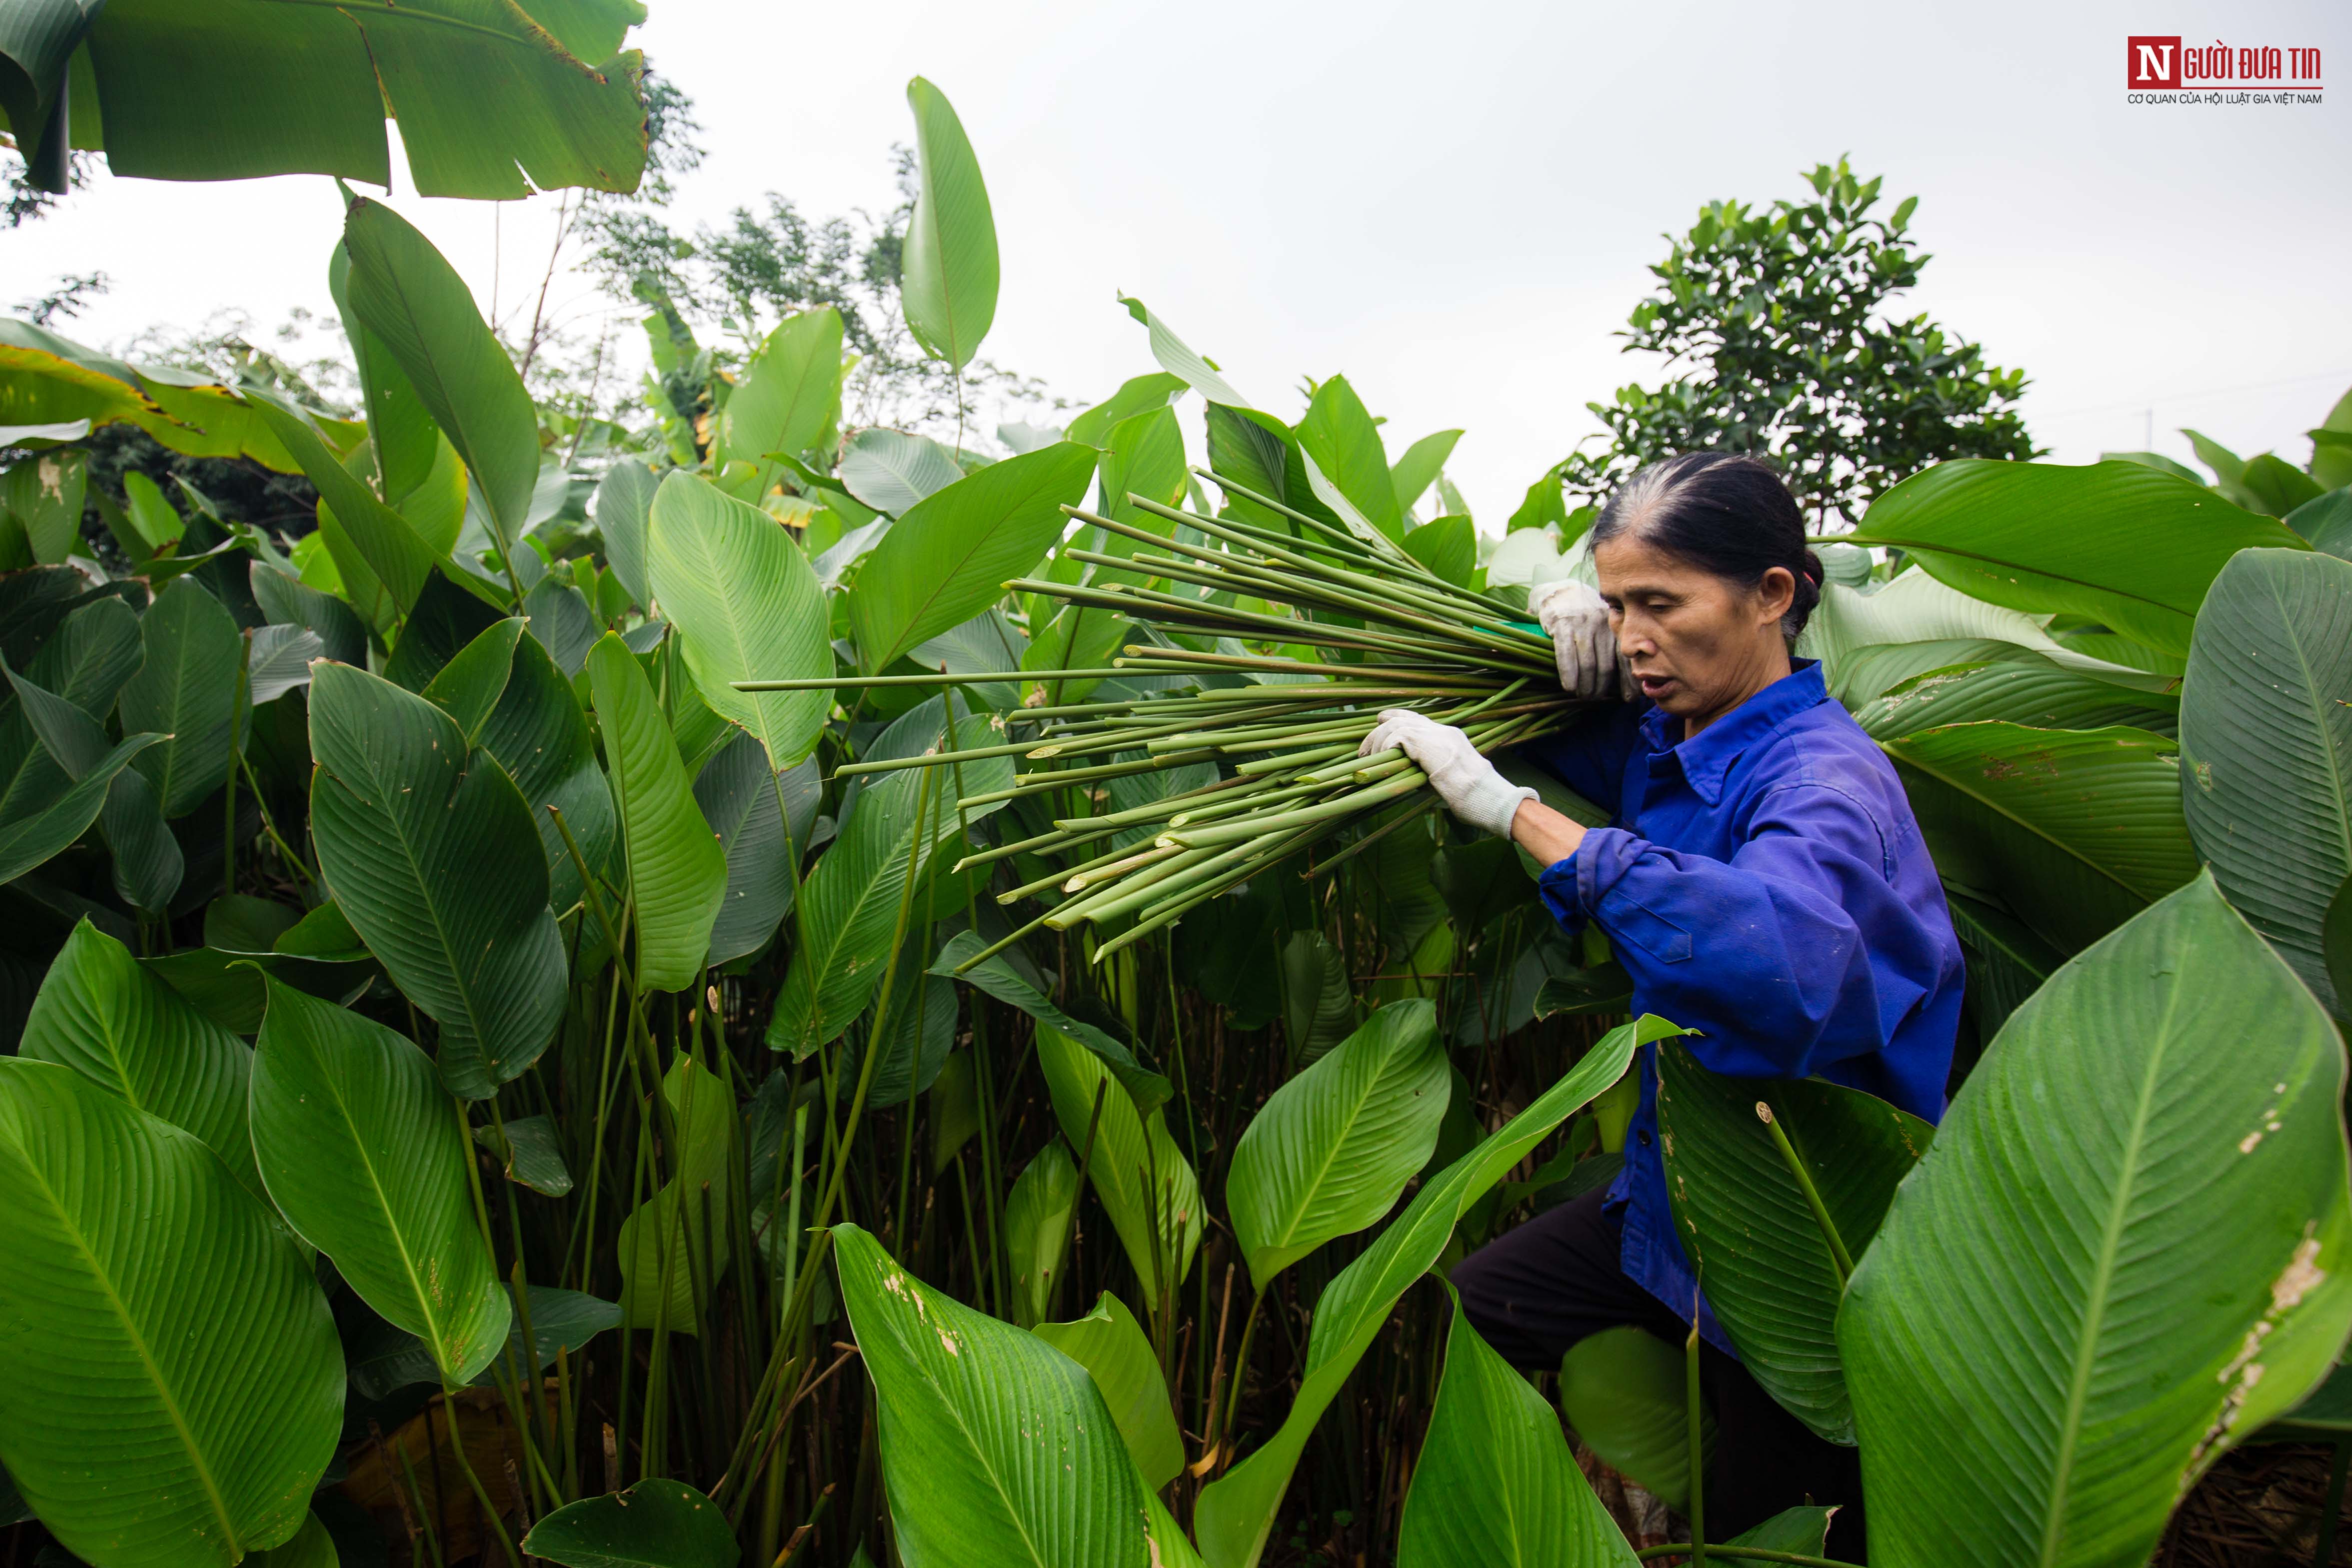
{"type": "Point", "coordinates": [1839, 1258]}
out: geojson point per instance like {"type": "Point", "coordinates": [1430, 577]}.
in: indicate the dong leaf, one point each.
{"type": "Point", "coordinates": [1146, 1089]}
{"type": "Point", "coordinates": [190, 689]}
{"type": "Point", "coordinates": [2077, 830]}
{"type": "Point", "coordinates": [676, 1246]}
{"type": "Point", "coordinates": [31, 836]}
{"type": "Point", "coordinates": [746, 607]}
{"type": "Point", "coordinates": [536, 731]}
{"type": "Point", "coordinates": [788, 394]}
{"type": "Point", "coordinates": [1109, 1343]}
{"type": "Point", "coordinates": [998, 1451]}
{"type": "Point", "coordinates": [2124, 545]}
{"type": "Point", "coordinates": [99, 1013]}
{"type": "Point", "coordinates": [2266, 746]}
{"type": "Point", "coordinates": [1330, 1151]}
{"type": "Point", "coordinates": [172, 1387]}
{"type": "Point", "coordinates": [384, 542]}
{"type": "Point", "coordinates": [1749, 1229]}
{"type": "Point", "coordinates": [1236, 1513]}
{"type": "Point", "coordinates": [1145, 1183]}
{"type": "Point", "coordinates": [93, 651]}
{"type": "Point", "coordinates": [1341, 439]}
{"type": "Point", "coordinates": [1497, 1486]}
{"type": "Point", "coordinates": [431, 853]}
{"type": "Point", "coordinates": [947, 558]}
{"type": "Point", "coordinates": [2125, 1252]}
{"type": "Point", "coordinates": [1037, 1230]}
{"type": "Point", "coordinates": [624, 508]}
{"type": "Point", "coordinates": [1181, 362]}
{"type": "Point", "coordinates": [891, 471]}
{"type": "Point", "coordinates": [148, 863]}
{"type": "Point", "coordinates": [678, 873]}
{"type": "Point", "coordinates": [365, 1155]}
{"type": "Point", "coordinates": [1624, 1392]}
{"type": "Point", "coordinates": [655, 1523]}
{"type": "Point", "coordinates": [745, 804]}
{"type": "Point", "coordinates": [2034, 692]}
{"type": "Point", "coordinates": [948, 286]}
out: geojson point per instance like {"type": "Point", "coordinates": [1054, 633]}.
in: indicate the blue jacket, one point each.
{"type": "Point", "coordinates": [1765, 883]}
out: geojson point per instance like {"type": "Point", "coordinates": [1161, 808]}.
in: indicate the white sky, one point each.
{"type": "Point", "coordinates": [1455, 205]}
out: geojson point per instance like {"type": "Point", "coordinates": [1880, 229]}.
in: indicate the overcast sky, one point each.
{"type": "Point", "coordinates": [1455, 205]}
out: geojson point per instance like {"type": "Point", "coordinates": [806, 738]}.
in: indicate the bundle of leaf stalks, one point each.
{"type": "Point", "coordinates": [1391, 634]}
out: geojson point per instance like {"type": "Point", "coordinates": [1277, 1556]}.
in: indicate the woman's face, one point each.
{"type": "Point", "coordinates": [1699, 645]}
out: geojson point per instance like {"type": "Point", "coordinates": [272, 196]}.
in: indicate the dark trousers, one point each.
{"type": "Point", "coordinates": [1537, 1289]}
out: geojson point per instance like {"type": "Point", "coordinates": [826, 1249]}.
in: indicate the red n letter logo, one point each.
{"type": "Point", "coordinates": [2154, 62]}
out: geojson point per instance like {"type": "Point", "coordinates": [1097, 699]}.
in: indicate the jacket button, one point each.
{"type": "Point", "coordinates": [1644, 1136]}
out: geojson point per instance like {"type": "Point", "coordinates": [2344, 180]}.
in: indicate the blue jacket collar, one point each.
{"type": "Point", "coordinates": [1707, 758]}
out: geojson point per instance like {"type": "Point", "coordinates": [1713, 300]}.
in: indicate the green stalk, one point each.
{"type": "Point", "coordinates": [1690, 1413]}
{"type": "Point", "coordinates": [1839, 1258]}
{"type": "Point", "coordinates": [861, 683]}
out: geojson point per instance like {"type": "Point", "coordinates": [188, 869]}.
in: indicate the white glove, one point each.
{"type": "Point", "coordinates": [1574, 617]}
{"type": "Point", "coordinates": [1468, 783]}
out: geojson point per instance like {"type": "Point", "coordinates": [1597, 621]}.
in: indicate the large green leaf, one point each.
{"type": "Point", "coordinates": [1417, 470]}
{"type": "Point", "coordinates": [92, 652]}
{"type": "Point", "coordinates": [655, 1523]}
{"type": "Point", "coordinates": [170, 1387]}
{"type": "Point", "coordinates": [412, 300]}
{"type": "Point", "coordinates": [1145, 1087]}
{"type": "Point", "coordinates": [1749, 1229]}
{"type": "Point", "coordinates": [947, 285]}
{"type": "Point", "coordinates": [2077, 830]}
{"type": "Point", "coordinates": [745, 802]}
{"type": "Point", "coordinates": [2125, 1252]}
{"type": "Point", "coordinates": [788, 394]}
{"type": "Point", "coordinates": [30, 835]}
{"type": "Point", "coordinates": [2027, 690]}
{"type": "Point", "coordinates": [1109, 1343]}
{"type": "Point", "coordinates": [1146, 1184]}
{"type": "Point", "coordinates": [675, 1247]}
{"type": "Point", "coordinates": [949, 556]}
{"type": "Point", "coordinates": [747, 608]}
{"type": "Point", "coordinates": [1037, 1230]}
{"type": "Point", "coordinates": [188, 690]}
{"type": "Point", "coordinates": [998, 1451]}
{"type": "Point", "coordinates": [1342, 441]}
{"type": "Point", "coordinates": [382, 1358]}
{"type": "Point", "coordinates": [851, 901]}
{"type": "Point", "coordinates": [44, 494]}
{"type": "Point", "coordinates": [1193, 370]}
{"type": "Point", "coordinates": [1626, 1392]}
{"type": "Point", "coordinates": [478, 90]}
{"type": "Point", "coordinates": [2124, 545]}
{"type": "Point", "coordinates": [891, 470]}
{"type": "Point", "coordinates": [380, 540]}
{"type": "Point", "coordinates": [1236, 1513]}
{"type": "Point", "coordinates": [2266, 746]}
{"type": "Point", "coordinates": [678, 873]}
{"type": "Point", "coordinates": [623, 512]}
{"type": "Point", "coordinates": [1497, 1486]}
{"type": "Point", "coordinates": [432, 855]}
{"type": "Point", "coordinates": [365, 1155]}
{"type": "Point", "coordinates": [1136, 394]}
{"type": "Point", "coordinates": [148, 863]}
{"type": "Point", "coordinates": [100, 1014]}
{"type": "Point", "coordinates": [1330, 1151]}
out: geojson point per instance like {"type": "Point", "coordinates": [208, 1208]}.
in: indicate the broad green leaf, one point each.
{"type": "Point", "coordinates": [93, 651]}
{"type": "Point", "coordinates": [2077, 830]}
{"type": "Point", "coordinates": [678, 873]}
{"type": "Point", "coordinates": [1749, 1230]}
{"type": "Point", "coordinates": [998, 1451]}
{"type": "Point", "coordinates": [2126, 1251]}
{"type": "Point", "coordinates": [1142, 456]}
{"type": "Point", "coordinates": [404, 444]}
{"type": "Point", "coordinates": [537, 732]}
{"type": "Point", "coordinates": [171, 1388]}
{"type": "Point", "coordinates": [366, 1154]}
{"type": "Point", "coordinates": [562, 622]}
{"type": "Point", "coordinates": [1329, 1152]}
{"type": "Point", "coordinates": [1624, 1392]}
{"type": "Point", "coordinates": [1236, 1512]}
{"type": "Point", "coordinates": [391, 549]}
{"type": "Point", "coordinates": [1448, 547]}
{"type": "Point", "coordinates": [1148, 1089]}
{"type": "Point", "coordinates": [787, 395]}
{"type": "Point", "coordinates": [851, 901]}
{"type": "Point", "coordinates": [148, 863]}
{"type": "Point", "coordinates": [1803, 1530]}
{"type": "Point", "coordinates": [2266, 746]}
{"type": "Point", "coordinates": [655, 1523]}
{"type": "Point", "coordinates": [189, 689]}
{"type": "Point", "coordinates": [445, 620]}
{"type": "Point", "coordinates": [382, 1358]}
{"type": "Point", "coordinates": [311, 1547]}
{"type": "Point", "coordinates": [1037, 1230]}
{"type": "Point", "coordinates": [100, 1014]}
{"type": "Point", "coordinates": [745, 803]}
{"type": "Point", "coordinates": [623, 506]}
{"type": "Point", "coordinates": [2126, 546]}
{"type": "Point", "coordinates": [1109, 1343]}
{"type": "Point", "coordinates": [746, 607]}
{"type": "Point", "coordinates": [1319, 1009]}
{"type": "Point", "coordinates": [947, 285]}
{"type": "Point", "coordinates": [917, 1030]}
{"type": "Point", "coordinates": [891, 471]}
{"type": "Point", "coordinates": [1417, 470]}
{"type": "Point", "coordinates": [1497, 1486]}
{"type": "Point", "coordinates": [431, 853]}
{"type": "Point", "coordinates": [1137, 394]}
{"type": "Point", "coordinates": [677, 1243]}
{"type": "Point", "coordinates": [44, 494]}
{"type": "Point", "coordinates": [1914, 608]}
{"type": "Point", "coordinates": [30, 836]}
{"type": "Point", "coordinates": [1194, 371]}
{"type": "Point", "coordinates": [1146, 1184]}
{"type": "Point", "coordinates": [413, 300]}
{"type": "Point", "coordinates": [2031, 691]}
{"type": "Point", "coordinates": [1341, 439]}
{"type": "Point", "coordinates": [949, 556]}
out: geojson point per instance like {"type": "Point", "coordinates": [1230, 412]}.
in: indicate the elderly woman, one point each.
{"type": "Point", "coordinates": [1763, 880]}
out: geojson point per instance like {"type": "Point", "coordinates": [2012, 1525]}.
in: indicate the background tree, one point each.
{"type": "Point", "coordinates": [1782, 317]}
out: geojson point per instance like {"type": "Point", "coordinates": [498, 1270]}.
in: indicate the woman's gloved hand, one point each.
{"type": "Point", "coordinates": [1575, 618]}
{"type": "Point", "coordinates": [1468, 783]}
